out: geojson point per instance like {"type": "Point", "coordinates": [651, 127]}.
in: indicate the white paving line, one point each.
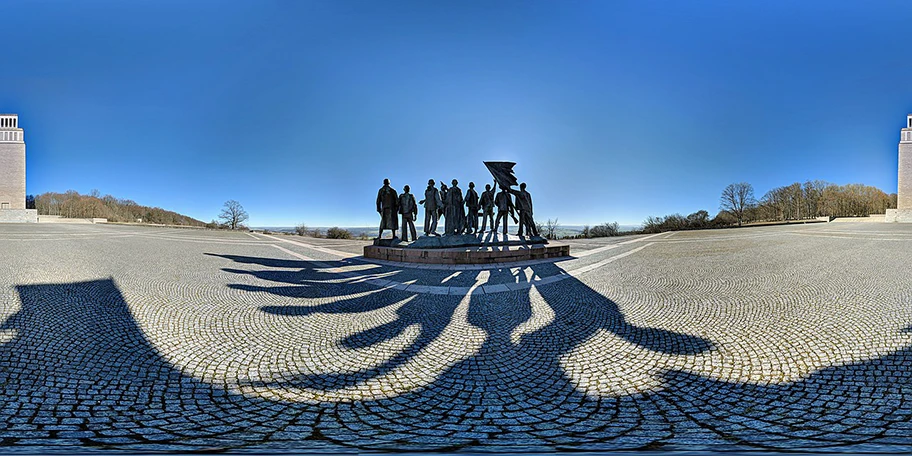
{"type": "Point", "coordinates": [875, 233]}
{"type": "Point", "coordinates": [586, 253]}
{"type": "Point", "coordinates": [590, 267]}
{"type": "Point", "coordinates": [63, 239]}
{"type": "Point", "coordinates": [857, 238]}
{"type": "Point", "coordinates": [214, 241]}
{"type": "Point", "coordinates": [642, 238]}
{"type": "Point", "coordinates": [478, 287]}
{"type": "Point", "coordinates": [294, 254]}
{"type": "Point", "coordinates": [719, 238]}
{"type": "Point", "coordinates": [314, 247]}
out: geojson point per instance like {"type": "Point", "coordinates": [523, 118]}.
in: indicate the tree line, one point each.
{"type": "Point", "coordinates": [738, 205]}
{"type": "Point", "coordinates": [822, 199]}
{"type": "Point", "coordinates": [794, 202]}
{"type": "Point", "coordinates": [74, 205]}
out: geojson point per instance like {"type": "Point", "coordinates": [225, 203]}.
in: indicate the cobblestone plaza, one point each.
{"type": "Point", "coordinates": [774, 338]}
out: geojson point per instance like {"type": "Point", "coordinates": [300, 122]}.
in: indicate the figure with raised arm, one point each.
{"type": "Point", "coordinates": [409, 211]}
{"type": "Point", "coordinates": [432, 205]}
{"type": "Point", "coordinates": [387, 200]}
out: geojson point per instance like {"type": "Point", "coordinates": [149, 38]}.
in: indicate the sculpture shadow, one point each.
{"type": "Point", "coordinates": [521, 375]}
{"type": "Point", "coordinates": [75, 350]}
{"type": "Point", "coordinates": [308, 279]}
{"type": "Point", "coordinates": [77, 346]}
{"type": "Point", "coordinates": [578, 316]}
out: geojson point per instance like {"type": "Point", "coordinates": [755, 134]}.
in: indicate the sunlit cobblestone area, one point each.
{"type": "Point", "coordinates": [775, 338]}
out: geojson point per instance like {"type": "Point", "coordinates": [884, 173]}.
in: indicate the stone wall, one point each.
{"type": "Point", "coordinates": [18, 216]}
{"type": "Point", "coordinates": [467, 255]}
{"type": "Point", "coordinates": [12, 175]}
{"type": "Point", "coordinates": [899, 215]}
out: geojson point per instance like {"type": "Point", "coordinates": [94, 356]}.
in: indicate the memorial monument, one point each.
{"type": "Point", "coordinates": [462, 242]}
{"type": "Point", "coordinates": [903, 211]}
{"type": "Point", "coordinates": [12, 172]}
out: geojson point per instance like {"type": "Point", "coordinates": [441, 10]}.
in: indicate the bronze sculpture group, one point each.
{"type": "Point", "coordinates": [460, 213]}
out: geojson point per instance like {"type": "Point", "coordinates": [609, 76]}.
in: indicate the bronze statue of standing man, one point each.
{"type": "Point", "coordinates": [432, 204]}
{"type": "Point", "coordinates": [524, 206]}
{"type": "Point", "coordinates": [471, 201]}
{"type": "Point", "coordinates": [455, 213]}
{"type": "Point", "coordinates": [387, 200]}
{"type": "Point", "coordinates": [504, 203]}
{"type": "Point", "coordinates": [444, 191]}
{"type": "Point", "coordinates": [487, 207]}
{"type": "Point", "coordinates": [409, 211]}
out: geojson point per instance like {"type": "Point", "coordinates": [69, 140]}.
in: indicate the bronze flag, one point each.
{"type": "Point", "coordinates": [502, 172]}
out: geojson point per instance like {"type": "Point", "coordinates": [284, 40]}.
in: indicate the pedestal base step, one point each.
{"type": "Point", "coordinates": [467, 255]}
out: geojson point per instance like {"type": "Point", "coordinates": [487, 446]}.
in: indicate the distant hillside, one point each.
{"type": "Point", "coordinates": [73, 205]}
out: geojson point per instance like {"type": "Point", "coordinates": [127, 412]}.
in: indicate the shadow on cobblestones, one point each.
{"type": "Point", "coordinates": [509, 384]}
{"type": "Point", "coordinates": [520, 370]}
{"type": "Point", "coordinates": [79, 371]}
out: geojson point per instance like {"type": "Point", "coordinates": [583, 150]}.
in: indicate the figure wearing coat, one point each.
{"type": "Point", "coordinates": [387, 202]}
{"type": "Point", "coordinates": [455, 214]}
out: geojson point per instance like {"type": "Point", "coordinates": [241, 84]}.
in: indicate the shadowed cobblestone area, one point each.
{"type": "Point", "coordinates": [776, 338]}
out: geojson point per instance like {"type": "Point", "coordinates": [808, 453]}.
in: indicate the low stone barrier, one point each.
{"type": "Point", "coordinates": [467, 255]}
{"type": "Point", "coordinates": [18, 216]}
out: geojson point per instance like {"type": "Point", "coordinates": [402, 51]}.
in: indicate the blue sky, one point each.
{"type": "Point", "coordinates": [613, 110]}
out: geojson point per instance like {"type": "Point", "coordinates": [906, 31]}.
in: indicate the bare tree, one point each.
{"type": "Point", "coordinates": [551, 229]}
{"type": "Point", "coordinates": [736, 199]}
{"type": "Point", "coordinates": [233, 214]}
{"type": "Point", "coordinates": [302, 230]}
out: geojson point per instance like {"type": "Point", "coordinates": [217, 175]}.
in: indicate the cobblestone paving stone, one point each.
{"type": "Point", "coordinates": [775, 338]}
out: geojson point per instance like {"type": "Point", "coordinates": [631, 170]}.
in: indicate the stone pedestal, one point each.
{"type": "Point", "coordinates": [468, 255]}
{"type": "Point", "coordinates": [18, 216]}
{"type": "Point", "coordinates": [899, 215]}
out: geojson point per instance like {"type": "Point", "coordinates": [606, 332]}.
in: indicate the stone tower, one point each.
{"type": "Point", "coordinates": [903, 211]}
{"type": "Point", "coordinates": [12, 172]}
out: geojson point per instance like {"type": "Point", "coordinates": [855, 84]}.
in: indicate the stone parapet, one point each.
{"type": "Point", "coordinates": [467, 255]}
{"type": "Point", "coordinates": [898, 216]}
{"type": "Point", "coordinates": [18, 216]}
